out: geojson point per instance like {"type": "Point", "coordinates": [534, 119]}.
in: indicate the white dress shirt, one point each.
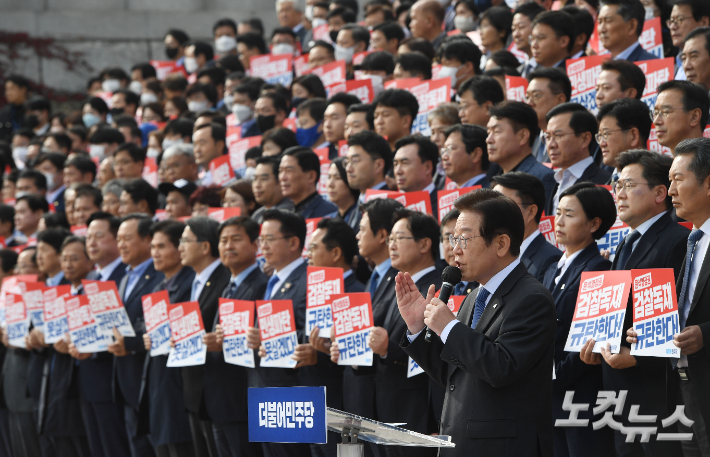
{"type": "Point", "coordinates": [564, 262]}
{"type": "Point", "coordinates": [526, 242]}
{"type": "Point", "coordinates": [285, 272]}
{"type": "Point", "coordinates": [567, 177]}
{"type": "Point", "coordinates": [202, 278]}
{"type": "Point", "coordinates": [107, 271]}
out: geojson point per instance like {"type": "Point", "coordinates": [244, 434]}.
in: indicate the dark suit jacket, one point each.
{"type": "Point", "coordinates": [531, 166]}
{"type": "Point", "coordinates": [59, 202]}
{"type": "Point", "coordinates": [316, 207]}
{"type": "Point", "coordinates": [225, 383]}
{"type": "Point", "coordinates": [539, 256]}
{"type": "Point", "coordinates": [352, 285]}
{"type": "Point", "coordinates": [161, 396]}
{"type": "Point", "coordinates": [128, 370]}
{"type": "Point", "coordinates": [592, 174]}
{"type": "Point", "coordinates": [394, 391]}
{"type": "Point", "coordinates": [571, 372]}
{"type": "Point", "coordinates": [651, 383]}
{"type": "Point", "coordinates": [640, 54]}
{"type": "Point", "coordinates": [497, 376]}
{"type": "Point", "coordinates": [193, 377]}
{"type": "Point", "coordinates": [253, 130]}
{"type": "Point", "coordinates": [16, 396]}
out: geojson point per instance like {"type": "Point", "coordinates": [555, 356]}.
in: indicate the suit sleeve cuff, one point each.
{"type": "Point", "coordinates": [447, 330]}
{"type": "Point", "coordinates": [411, 337]}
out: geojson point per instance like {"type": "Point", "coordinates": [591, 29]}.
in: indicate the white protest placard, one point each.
{"type": "Point", "coordinates": [323, 283]}
{"type": "Point", "coordinates": [352, 317]}
{"type": "Point", "coordinates": [107, 308]}
{"type": "Point", "coordinates": [235, 317]}
{"type": "Point", "coordinates": [83, 329]}
{"type": "Point", "coordinates": [655, 313]}
{"type": "Point", "coordinates": [55, 313]}
{"type": "Point", "coordinates": [18, 322]}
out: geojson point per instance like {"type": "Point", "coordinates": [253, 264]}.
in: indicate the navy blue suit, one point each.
{"type": "Point", "coordinates": [640, 54]}
{"type": "Point", "coordinates": [226, 384]}
{"type": "Point", "coordinates": [592, 174]}
{"type": "Point", "coordinates": [531, 166]}
{"type": "Point", "coordinates": [128, 370]}
{"type": "Point", "coordinates": [315, 206]}
{"type": "Point", "coordinates": [571, 373]}
{"type": "Point", "coordinates": [539, 255]}
{"type": "Point", "coordinates": [161, 397]}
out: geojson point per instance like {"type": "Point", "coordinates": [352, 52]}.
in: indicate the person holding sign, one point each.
{"type": "Point", "coordinates": [585, 214]}
{"type": "Point", "coordinates": [169, 426]}
{"type": "Point", "coordinates": [499, 347]}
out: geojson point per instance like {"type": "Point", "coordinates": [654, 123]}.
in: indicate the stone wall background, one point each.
{"type": "Point", "coordinates": [115, 32]}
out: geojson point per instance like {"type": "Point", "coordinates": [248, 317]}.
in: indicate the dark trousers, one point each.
{"type": "Point", "coordinates": [175, 450]}
{"type": "Point", "coordinates": [202, 436]}
{"type": "Point", "coordinates": [139, 443]}
{"type": "Point", "coordinates": [690, 392]}
{"type": "Point", "coordinates": [583, 441]}
{"type": "Point", "coordinates": [71, 446]}
{"type": "Point", "coordinates": [105, 430]}
{"type": "Point", "coordinates": [286, 450]}
{"type": "Point", "coordinates": [232, 440]}
{"type": "Point", "coordinates": [23, 435]}
{"type": "Point", "coordinates": [5, 445]}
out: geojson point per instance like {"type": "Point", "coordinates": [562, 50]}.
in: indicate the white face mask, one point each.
{"type": "Point", "coordinates": [50, 180]}
{"type": "Point", "coordinates": [241, 112]}
{"type": "Point", "coordinates": [249, 173]}
{"type": "Point", "coordinates": [378, 82]}
{"type": "Point", "coordinates": [19, 153]}
{"type": "Point", "coordinates": [228, 100]}
{"type": "Point", "coordinates": [190, 64]}
{"type": "Point", "coordinates": [309, 12]}
{"type": "Point", "coordinates": [152, 152]}
{"type": "Point", "coordinates": [464, 23]}
{"type": "Point", "coordinates": [449, 71]}
{"type": "Point", "coordinates": [167, 143]}
{"type": "Point", "coordinates": [136, 87]}
{"type": "Point", "coordinates": [317, 22]}
{"type": "Point", "coordinates": [111, 85]}
{"type": "Point", "coordinates": [649, 13]}
{"type": "Point", "coordinates": [148, 97]}
{"type": "Point", "coordinates": [97, 150]}
{"type": "Point", "coordinates": [282, 49]}
{"type": "Point", "coordinates": [196, 107]}
{"type": "Point", "coordinates": [345, 54]}
{"type": "Point", "coordinates": [225, 43]}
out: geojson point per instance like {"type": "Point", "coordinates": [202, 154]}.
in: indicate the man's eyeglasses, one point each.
{"type": "Point", "coordinates": [662, 113]}
{"type": "Point", "coordinates": [460, 240]}
{"type": "Point", "coordinates": [676, 21]}
{"type": "Point", "coordinates": [628, 185]}
{"type": "Point", "coordinates": [398, 239]}
{"type": "Point", "coordinates": [269, 239]}
{"type": "Point", "coordinates": [606, 134]}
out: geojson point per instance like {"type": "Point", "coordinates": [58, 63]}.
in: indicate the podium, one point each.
{"type": "Point", "coordinates": [354, 428]}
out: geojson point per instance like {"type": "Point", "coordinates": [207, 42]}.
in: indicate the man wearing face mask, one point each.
{"type": "Point", "coordinates": [271, 109]}
{"type": "Point", "coordinates": [38, 112]}
{"type": "Point", "coordinates": [309, 131]}
{"type": "Point", "coordinates": [175, 42]}
{"type": "Point", "coordinates": [197, 56]}
{"type": "Point", "coordinates": [201, 97]}
{"type": "Point", "coordinates": [124, 102]}
{"type": "Point", "coordinates": [460, 59]}
{"type": "Point", "coordinates": [20, 145]}
{"type": "Point", "coordinates": [378, 67]}
{"type": "Point", "coordinates": [104, 142]}
{"type": "Point", "coordinates": [51, 165]}
{"type": "Point", "coordinates": [114, 79]}
{"type": "Point", "coordinates": [249, 45]}
{"type": "Point", "coordinates": [244, 98]}
{"type": "Point", "coordinates": [225, 37]}
{"type": "Point", "coordinates": [177, 131]}
{"type": "Point", "coordinates": [283, 41]}
{"type": "Point", "coordinates": [351, 40]}
{"type": "Point", "coordinates": [12, 115]}
{"type": "Point", "coordinates": [140, 73]}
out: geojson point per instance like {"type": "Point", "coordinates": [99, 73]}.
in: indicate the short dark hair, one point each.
{"type": "Point", "coordinates": [655, 168]}
{"type": "Point", "coordinates": [374, 145]}
{"type": "Point", "coordinates": [500, 17]}
{"type": "Point", "coordinates": [694, 97]}
{"type": "Point", "coordinates": [137, 153]}
{"type": "Point", "coordinates": [7, 214]}
{"type": "Point", "coordinates": [422, 226]}
{"type": "Point", "coordinates": [55, 220]}
{"type": "Point", "coordinates": [113, 221]}
{"type": "Point", "coordinates": [203, 48]}
{"type": "Point", "coordinates": [700, 31]}
{"type": "Point", "coordinates": [483, 88]}
{"type": "Point", "coordinates": [700, 149]}
{"type": "Point", "coordinates": [250, 90]}
{"type": "Point", "coordinates": [283, 30]}
{"type": "Point", "coordinates": [346, 14]}
{"type": "Point", "coordinates": [39, 179]}
{"type": "Point", "coordinates": [529, 9]}
{"type": "Point", "coordinates": [453, 214]}
{"type": "Point", "coordinates": [581, 120]}
{"type": "Point", "coordinates": [205, 229]}
{"type": "Point", "coordinates": [629, 113]}
{"type": "Point", "coordinates": [378, 61]}
{"type": "Point", "coordinates": [53, 237]}
{"type": "Point", "coordinates": [56, 158]}
{"type": "Point", "coordinates": [215, 74]}
{"type": "Point", "coordinates": [500, 216]}
{"type": "Point", "coordinates": [144, 223]}
{"type": "Point", "coordinates": [391, 30]}
{"type": "Point", "coordinates": [74, 239]}
{"type": "Point", "coordinates": [559, 81]}
{"type": "Point", "coordinates": [369, 111]}
{"type": "Point", "coordinates": [250, 226]}
{"type": "Point", "coordinates": [416, 63]}
{"type": "Point", "coordinates": [106, 135]}
{"type": "Point", "coordinates": [312, 84]}
{"type": "Point", "coordinates": [306, 158]}
{"type": "Point", "coordinates": [225, 22]}
{"type": "Point", "coordinates": [283, 137]}
{"type": "Point", "coordinates": [472, 136]}
{"type": "Point", "coordinates": [379, 212]}
{"type": "Point", "coordinates": [279, 101]}
{"type": "Point", "coordinates": [596, 202]}
{"type": "Point", "coordinates": [562, 24]}
{"type": "Point", "coordinates": [521, 116]}
{"type": "Point", "coordinates": [87, 190]}
{"type": "Point", "coordinates": [139, 190]}
{"type": "Point", "coordinates": [291, 224]}
{"type": "Point", "coordinates": [339, 234]}
{"type": "Point", "coordinates": [207, 89]}
{"type": "Point", "coordinates": [504, 59]}
{"type": "Point", "coordinates": [629, 75]}
{"type": "Point", "coordinates": [147, 70]}
{"type": "Point", "coordinates": [97, 104]}
{"type": "Point", "coordinates": [527, 187]}
{"type": "Point", "coordinates": [583, 21]}
{"type": "Point", "coordinates": [130, 97]}
{"type": "Point", "coordinates": [83, 164]}
{"type": "Point", "coordinates": [62, 139]}
{"type": "Point", "coordinates": [345, 99]}
{"type": "Point", "coordinates": [274, 161]}
{"type": "Point", "coordinates": [629, 9]}
{"type": "Point", "coordinates": [254, 23]}
{"type": "Point", "coordinates": [463, 51]}
{"type": "Point", "coordinates": [217, 132]}
{"type": "Point", "coordinates": [358, 32]}
{"type": "Point", "coordinates": [427, 150]}
{"type": "Point", "coordinates": [315, 107]}
{"type": "Point", "coordinates": [19, 81]}
{"type": "Point", "coordinates": [420, 45]}
{"type": "Point", "coordinates": [181, 126]}
{"type": "Point", "coordinates": [699, 8]}
{"type": "Point", "coordinates": [39, 103]}
{"type": "Point", "coordinates": [8, 260]}
{"type": "Point", "coordinates": [403, 101]}
{"type": "Point", "coordinates": [181, 37]}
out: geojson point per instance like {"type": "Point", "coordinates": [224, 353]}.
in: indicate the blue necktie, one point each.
{"type": "Point", "coordinates": [479, 306]}
{"type": "Point", "coordinates": [627, 249]}
{"type": "Point", "coordinates": [270, 286]}
{"type": "Point", "coordinates": [373, 282]}
{"type": "Point", "coordinates": [693, 239]}
{"type": "Point", "coordinates": [231, 290]}
{"type": "Point", "coordinates": [193, 291]}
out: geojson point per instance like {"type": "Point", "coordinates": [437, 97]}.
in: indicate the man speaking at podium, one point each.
{"type": "Point", "coordinates": [494, 360]}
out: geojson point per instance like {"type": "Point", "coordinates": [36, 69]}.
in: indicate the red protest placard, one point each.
{"type": "Point", "coordinates": [79, 312]}
{"type": "Point", "coordinates": [78, 230]}
{"type": "Point", "coordinates": [221, 170]}
{"type": "Point", "coordinates": [300, 64]}
{"type": "Point", "coordinates": [515, 88]}
{"type": "Point", "coordinates": [187, 329]}
{"type": "Point", "coordinates": [547, 228]}
{"type": "Point", "coordinates": [446, 198]}
{"type": "Point", "coordinates": [278, 332]}
{"type": "Point", "coordinates": [657, 72]}
{"type": "Point", "coordinates": [475, 36]}
{"type": "Point", "coordinates": [155, 309]}
{"type": "Point", "coordinates": [83, 329]}
{"type": "Point", "coordinates": [55, 313]}
{"type": "Point", "coordinates": [17, 320]}
{"type": "Point", "coordinates": [150, 171]}
{"type": "Point", "coordinates": [322, 154]}
{"type": "Point", "coordinates": [455, 302]}
{"type": "Point", "coordinates": [239, 148]}
{"type": "Point", "coordinates": [360, 56]}
{"type": "Point", "coordinates": [600, 309]}
{"type": "Point", "coordinates": [290, 123]}
{"type": "Point", "coordinates": [32, 297]}
{"type": "Point", "coordinates": [222, 214]}
{"type": "Point", "coordinates": [234, 133]}
{"type": "Point", "coordinates": [342, 148]}
{"type": "Point", "coordinates": [274, 69]}
{"type": "Point", "coordinates": [655, 312]}
{"type": "Point", "coordinates": [361, 88]}
{"type": "Point", "coordinates": [107, 307]}
{"type": "Point", "coordinates": [330, 73]}
{"type": "Point", "coordinates": [651, 39]}
{"type": "Point", "coordinates": [520, 55]}
{"type": "Point", "coordinates": [417, 201]}
{"type": "Point", "coordinates": [323, 283]}
{"type": "Point", "coordinates": [235, 316]}
{"type": "Point", "coordinates": [430, 94]}
{"type": "Point", "coordinates": [688, 225]}
{"type": "Point", "coordinates": [311, 225]}
{"type": "Point", "coordinates": [165, 68]}
{"type": "Point", "coordinates": [352, 323]}
{"type": "Point", "coordinates": [403, 83]}
{"type": "Point", "coordinates": [322, 33]}
{"type": "Point", "coordinates": [653, 145]}
{"type": "Point", "coordinates": [583, 74]}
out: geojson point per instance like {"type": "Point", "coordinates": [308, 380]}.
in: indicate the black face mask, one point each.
{"type": "Point", "coordinates": [333, 36]}
{"type": "Point", "coordinates": [265, 122]}
{"type": "Point", "coordinates": [115, 112]}
{"type": "Point", "coordinates": [171, 52]}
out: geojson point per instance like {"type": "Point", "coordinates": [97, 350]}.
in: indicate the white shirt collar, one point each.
{"type": "Point", "coordinates": [419, 274]}
{"type": "Point", "coordinates": [430, 188]}
{"type": "Point", "coordinates": [643, 228]}
{"type": "Point", "coordinates": [347, 273]}
{"type": "Point", "coordinates": [578, 55]}
{"type": "Point", "coordinates": [576, 170]}
{"type": "Point", "coordinates": [627, 52]}
{"type": "Point", "coordinates": [207, 272]}
{"type": "Point", "coordinates": [473, 181]}
{"type": "Point", "coordinates": [526, 242]}
{"type": "Point", "coordinates": [108, 270]}
{"type": "Point", "coordinates": [565, 262]}
{"type": "Point", "coordinates": [297, 28]}
{"type": "Point", "coordinates": [495, 282]}
{"type": "Point", "coordinates": [285, 272]}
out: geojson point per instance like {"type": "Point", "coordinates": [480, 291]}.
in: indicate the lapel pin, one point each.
{"type": "Point", "coordinates": [288, 285]}
{"type": "Point", "coordinates": [563, 287]}
{"type": "Point", "coordinates": [283, 290]}
{"type": "Point", "coordinates": [495, 305]}
{"type": "Point", "coordinates": [147, 276]}
{"type": "Point", "coordinates": [208, 284]}
{"type": "Point", "coordinates": [389, 277]}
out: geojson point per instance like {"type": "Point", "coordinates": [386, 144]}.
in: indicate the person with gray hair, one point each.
{"type": "Point", "coordinates": [111, 193]}
{"type": "Point", "coordinates": [290, 14]}
{"type": "Point", "coordinates": [178, 162]}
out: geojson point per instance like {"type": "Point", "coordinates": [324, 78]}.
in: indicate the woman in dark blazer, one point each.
{"type": "Point", "coordinates": [585, 213]}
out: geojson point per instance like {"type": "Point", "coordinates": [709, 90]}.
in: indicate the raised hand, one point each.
{"type": "Point", "coordinates": [411, 303]}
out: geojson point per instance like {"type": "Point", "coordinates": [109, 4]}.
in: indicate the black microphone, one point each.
{"type": "Point", "coordinates": [450, 277]}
